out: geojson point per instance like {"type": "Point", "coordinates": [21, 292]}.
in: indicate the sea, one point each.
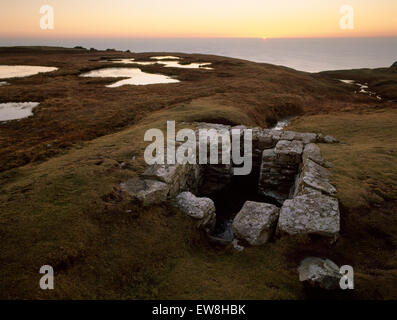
{"type": "Point", "coordinates": [305, 54]}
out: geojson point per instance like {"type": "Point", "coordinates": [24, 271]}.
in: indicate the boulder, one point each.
{"type": "Point", "coordinates": [319, 273]}
{"type": "Point", "coordinates": [256, 222]}
{"type": "Point", "coordinates": [314, 176]}
{"type": "Point", "coordinates": [146, 191]}
{"type": "Point", "coordinates": [394, 65]}
{"type": "Point", "coordinates": [201, 209]}
{"type": "Point", "coordinates": [310, 214]}
{"type": "Point", "coordinates": [289, 151]}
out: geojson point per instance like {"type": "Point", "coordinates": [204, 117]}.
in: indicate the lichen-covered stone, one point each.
{"type": "Point", "coordinates": [256, 222]}
{"type": "Point", "coordinates": [310, 214]}
{"type": "Point", "coordinates": [319, 273]}
{"type": "Point", "coordinates": [304, 137]}
{"type": "Point", "coordinates": [201, 209]}
{"type": "Point", "coordinates": [147, 191]}
{"type": "Point", "coordinates": [314, 176]}
{"type": "Point", "coordinates": [312, 151]}
{"type": "Point", "coordinates": [289, 151]}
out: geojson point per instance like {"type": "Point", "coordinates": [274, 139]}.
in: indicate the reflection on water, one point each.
{"type": "Point", "coordinates": [16, 110]}
{"type": "Point", "coordinates": [165, 58]}
{"type": "Point", "coordinates": [135, 76]}
{"type": "Point", "coordinates": [176, 64]}
{"type": "Point", "coordinates": [3, 83]}
{"type": "Point", "coordinates": [167, 64]}
{"type": "Point", "coordinates": [22, 71]}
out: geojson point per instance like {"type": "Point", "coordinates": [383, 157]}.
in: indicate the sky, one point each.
{"type": "Point", "coordinates": [198, 18]}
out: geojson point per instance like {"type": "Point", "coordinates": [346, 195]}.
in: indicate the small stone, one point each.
{"type": "Point", "coordinates": [319, 273]}
{"type": "Point", "coordinates": [330, 139]}
{"type": "Point", "coordinates": [237, 246]}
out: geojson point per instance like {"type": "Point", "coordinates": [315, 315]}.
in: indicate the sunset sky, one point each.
{"type": "Point", "coordinates": [204, 18]}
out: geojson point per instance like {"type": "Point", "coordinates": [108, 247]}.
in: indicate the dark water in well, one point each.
{"type": "Point", "coordinates": [230, 200]}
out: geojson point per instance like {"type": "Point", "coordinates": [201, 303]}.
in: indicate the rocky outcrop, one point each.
{"type": "Point", "coordinates": [201, 209]}
{"type": "Point", "coordinates": [319, 273]}
{"type": "Point", "coordinates": [310, 214]}
{"type": "Point", "coordinates": [256, 222]}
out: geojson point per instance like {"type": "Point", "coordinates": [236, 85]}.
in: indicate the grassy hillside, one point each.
{"type": "Point", "coordinates": [66, 211]}
{"type": "Point", "coordinates": [74, 109]}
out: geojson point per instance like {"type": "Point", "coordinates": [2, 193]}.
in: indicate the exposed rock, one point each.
{"type": "Point", "coordinates": [147, 191]}
{"type": "Point", "coordinates": [330, 139]}
{"type": "Point", "coordinates": [310, 214]}
{"type": "Point", "coordinates": [202, 209]}
{"type": "Point", "coordinates": [312, 151]}
{"type": "Point", "coordinates": [315, 177]}
{"type": "Point", "coordinates": [289, 151]}
{"type": "Point", "coordinates": [304, 137]}
{"type": "Point", "coordinates": [394, 65]}
{"type": "Point", "coordinates": [319, 273]}
{"type": "Point", "coordinates": [256, 222]}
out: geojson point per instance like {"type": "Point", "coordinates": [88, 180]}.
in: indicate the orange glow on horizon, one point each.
{"type": "Point", "coordinates": [204, 19]}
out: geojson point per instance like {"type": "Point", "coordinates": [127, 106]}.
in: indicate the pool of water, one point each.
{"type": "Point", "coordinates": [16, 110]}
{"type": "Point", "coordinates": [166, 64]}
{"type": "Point", "coordinates": [165, 58]}
{"type": "Point", "coordinates": [7, 72]}
{"type": "Point", "coordinates": [363, 88]}
{"type": "Point", "coordinates": [135, 76]}
{"type": "Point", "coordinates": [3, 83]}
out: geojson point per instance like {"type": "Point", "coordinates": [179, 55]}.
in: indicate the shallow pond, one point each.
{"type": "Point", "coordinates": [165, 58]}
{"type": "Point", "coordinates": [167, 64]}
{"type": "Point", "coordinates": [16, 110]}
{"type": "Point", "coordinates": [135, 76]}
{"type": "Point", "coordinates": [22, 71]}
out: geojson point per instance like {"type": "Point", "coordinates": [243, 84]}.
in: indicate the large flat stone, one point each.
{"type": "Point", "coordinates": [312, 151]}
{"type": "Point", "coordinates": [314, 176]}
{"type": "Point", "coordinates": [304, 137]}
{"type": "Point", "coordinates": [310, 214]}
{"type": "Point", "coordinates": [289, 151]}
{"type": "Point", "coordinates": [256, 222]}
{"type": "Point", "coordinates": [147, 191]}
